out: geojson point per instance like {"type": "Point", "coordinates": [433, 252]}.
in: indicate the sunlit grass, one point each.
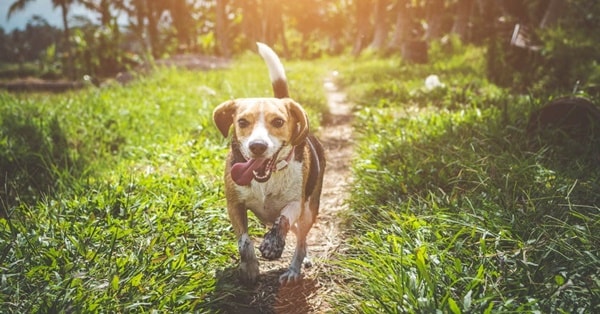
{"type": "Point", "coordinates": [452, 211]}
{"type": "Point", "coordinates": [117, 202]}
{"type": "Point", "coordinates": [135, 220]}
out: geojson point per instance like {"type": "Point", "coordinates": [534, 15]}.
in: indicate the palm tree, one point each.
{"type": "Point", "coordinates": [64, 5]}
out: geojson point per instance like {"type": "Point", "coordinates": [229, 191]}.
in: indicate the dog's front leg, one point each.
{"type": "Point", "coordinates": [293, 274]}
{"type": "Point", "coordinates": [274, 240]}
{"type": "Point", "coordinates": [248, 263]}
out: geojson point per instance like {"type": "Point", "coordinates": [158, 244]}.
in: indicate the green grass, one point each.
{"type": "Point", "coordinates": [452, 210]}
{"type": "Point", "coordinates": [112, 198]}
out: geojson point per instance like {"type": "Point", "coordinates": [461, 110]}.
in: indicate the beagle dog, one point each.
{"type": "Point", "coordinates": [274, 168]}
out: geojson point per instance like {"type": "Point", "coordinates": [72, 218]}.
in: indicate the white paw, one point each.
{"type": "Point", "coordinates": [307, 262]}
{"type": "Point", "coordinates": [291, 276]}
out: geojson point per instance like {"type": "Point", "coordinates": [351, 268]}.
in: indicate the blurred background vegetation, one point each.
{"type": "Point", "coordinates": [555, 46]}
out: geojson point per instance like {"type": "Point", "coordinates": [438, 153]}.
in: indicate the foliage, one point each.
{"type": "Point", "coordinates": [569, 61]}
{"type": "Point", "coordinates": [28, 52]}
{"type": "Point", "coordinates": [101, 47]}
{"type": "Point", "coordinates": [97, 53]}
{"type": "Point", "coordinates": [142, 225]}
{"type": "Point", "coordinates": [389, 82]}
{"type": "Point", "coordinates": [563, 57]}
{"type": "Point", "coordinates": [451, 209]}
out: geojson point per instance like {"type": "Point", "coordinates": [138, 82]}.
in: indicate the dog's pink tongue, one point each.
{"type": "Point", "coordinates": [242, 172]}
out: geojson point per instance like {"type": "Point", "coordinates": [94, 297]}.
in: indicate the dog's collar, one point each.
{"type": "Point", "coordinates": [282, 164]}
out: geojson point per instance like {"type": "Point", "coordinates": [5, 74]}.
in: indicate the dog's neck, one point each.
{"type": "Point", "coordinates": [283, 163]}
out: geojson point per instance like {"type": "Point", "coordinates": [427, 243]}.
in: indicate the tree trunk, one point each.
{"type": "Point", "coordinates": [272, 26]}
{"type": "Point", "coordinates": [137, 17]}
{"type": "Point", "coordinates": [381, 26]}
{"type": "Point", "coordinates": [552, 14]}
{"type": "Point", "coordinates": [484, 18]}
{"type": "Point", "coordinates": [461, 21]}
{"type": "Point", "coordinates": [401, 30]}
{"type": "Point", "coordinates": [281, 32]}
{"type": "Point", "coordinates": [250, 28]}
{"type": "Point", "coordinates": [70, 70]}
{"type": "Point", "coordinates": [183, 23]}
{"type": "Point", "coordinates": [153, 16]}
{"type": "Point", "coordinates": [434, 10]}
{"type": "Point", "coordinates": [363, 12]}
{"type": "Point", "coordinates": [221, 29]}
{"type": "Point", "coordinates": [269, 34]}
{"type": "Point", "coordinates": [105, 14]}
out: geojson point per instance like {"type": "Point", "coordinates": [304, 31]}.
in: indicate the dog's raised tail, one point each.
{"type": "Point", "coordinates": [276, 70]}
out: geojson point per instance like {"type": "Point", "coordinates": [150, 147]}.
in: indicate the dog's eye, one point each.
{"type": "Point", "coordinates": [242, 123]}
{"type": "Point", "coordinates": [278, 122]}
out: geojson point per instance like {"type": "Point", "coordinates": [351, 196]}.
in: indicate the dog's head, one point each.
{"type": "Point", "coordinates": [266, 129]}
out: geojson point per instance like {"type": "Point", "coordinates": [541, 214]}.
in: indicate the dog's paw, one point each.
{"type": "Point", "coordinates": [291, 276]}
{"type": "Point", "coordinates": [249, 272]}
{"type": "Point", "coordinates": [274, 242]}
{"type": "Point", "coordinates": [307, 262]}
{"type": "Point", "coordinates": [272, 246]}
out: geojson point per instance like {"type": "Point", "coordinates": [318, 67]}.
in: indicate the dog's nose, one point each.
{"type": "Point", "coordinates": [258, 147]}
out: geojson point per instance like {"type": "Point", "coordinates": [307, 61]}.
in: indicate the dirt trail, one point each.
{"type": "Point", "coordinates": [312, 293]}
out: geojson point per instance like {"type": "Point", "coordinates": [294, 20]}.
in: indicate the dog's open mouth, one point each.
{"type": "Point", "coordinates": [259, 169]}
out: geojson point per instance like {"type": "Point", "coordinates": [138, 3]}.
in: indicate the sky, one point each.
{"type": "Point", "coordinates": [42, 8]}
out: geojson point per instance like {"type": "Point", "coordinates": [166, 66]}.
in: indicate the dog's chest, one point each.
{"type": "Point", "coordinates": [267, 199]}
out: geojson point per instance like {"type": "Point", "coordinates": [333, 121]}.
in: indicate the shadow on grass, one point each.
{"type": "Point", "coordinates": [266, 296]}
{"type": "Point", "coordinates": [34, 158]}
{"type": "Point", "coordinates": [475, 170]}
{"type": "Point", "coordinates": [569, 127]}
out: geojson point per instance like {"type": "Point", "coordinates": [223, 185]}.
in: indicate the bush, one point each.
{"type": "Point", "coordinates": [567, 58]}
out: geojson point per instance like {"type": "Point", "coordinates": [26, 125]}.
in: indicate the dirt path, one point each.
{"type": "Point", "coordinates": [312, 293]}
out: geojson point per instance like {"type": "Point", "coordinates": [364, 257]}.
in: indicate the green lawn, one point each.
{"type": "Point", "coordinates": [453, 209]}
{"type": "Point", "coordinates": [112, 198]}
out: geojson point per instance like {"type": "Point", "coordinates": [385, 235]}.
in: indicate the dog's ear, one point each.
{"type": "Point", "coordinates": [223, 116]}
{"type": "Point", "coordinates": [301, 130]}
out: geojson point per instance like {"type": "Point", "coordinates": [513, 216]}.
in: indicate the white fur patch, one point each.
{"type": "Point", "coordinates": [260, 132]}
{"type": "Point", "coordinates": [276, 70]}
{"type": "Point", "coordinates": [268, 199]}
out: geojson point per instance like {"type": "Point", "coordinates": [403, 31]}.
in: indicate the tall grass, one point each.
{"type": "Point", "coordinates": [453, 211]}
{"type": "Point", "coordinates": [135, 220]}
